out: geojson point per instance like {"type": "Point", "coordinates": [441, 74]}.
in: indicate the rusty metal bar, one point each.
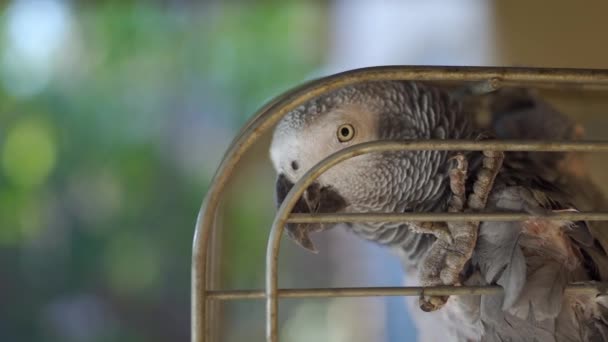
{"type": "Point", "coordinates": [228, 295]}
{"type": "Point", "coordinates": [272, 112]}
{"type": "Point", "coordinates": [311, 175]}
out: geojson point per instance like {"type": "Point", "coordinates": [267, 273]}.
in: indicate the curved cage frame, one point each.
{"type": "Point", "coordinates": [478, 80]}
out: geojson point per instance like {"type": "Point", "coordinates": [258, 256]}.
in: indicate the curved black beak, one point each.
{"type": "Point", "coordinates": [316, 199]}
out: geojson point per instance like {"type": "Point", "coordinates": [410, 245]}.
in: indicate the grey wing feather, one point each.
{"type": "Point", "coordinates": [499, 257]}
{"type": "Point", "coordinates": [534, 307]}
{"type": "Point", "coordinates": [543, 291]}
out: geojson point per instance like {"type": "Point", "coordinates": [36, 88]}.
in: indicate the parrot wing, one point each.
{"type": "Point", "coordinates": [535, 260]}
{"type": "Point", "coordinates": [519, 113]}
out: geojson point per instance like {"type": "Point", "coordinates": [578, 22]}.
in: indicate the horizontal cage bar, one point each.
{"type": "Point", "coordinates": [473, 145]}
{"type": "Point", "coordinates": [227, 295]}
{"type": "Point", "coordinates": [443, 217]}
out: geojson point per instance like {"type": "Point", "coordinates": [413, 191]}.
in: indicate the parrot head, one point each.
{"type": "Point", "coordinates": [380, 182]}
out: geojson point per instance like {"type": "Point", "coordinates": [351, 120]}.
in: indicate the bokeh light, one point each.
{"type": "Point", "coordinates": [28, 153]}
{"type": "Point", "coordinates": [36, 32]}
{"type": "Point", "coordinates": [132, 264]}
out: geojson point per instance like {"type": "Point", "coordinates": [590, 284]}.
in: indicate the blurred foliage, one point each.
{"type": "Point", "coordinates": [98, 195]}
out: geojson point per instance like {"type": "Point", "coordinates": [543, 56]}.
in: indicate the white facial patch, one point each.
{"type": "Point", "coordinates": [305, 146]}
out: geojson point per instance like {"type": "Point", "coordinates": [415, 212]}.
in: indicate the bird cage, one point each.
{"type": "Point", "coordinates": [474, 80]}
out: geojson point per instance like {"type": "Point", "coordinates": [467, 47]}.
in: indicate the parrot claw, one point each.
{"type": "Point", "coordinates": [432, 303]}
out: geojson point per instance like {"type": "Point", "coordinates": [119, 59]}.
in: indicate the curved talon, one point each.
{"type": "Point", "coordinates": [431, 303]}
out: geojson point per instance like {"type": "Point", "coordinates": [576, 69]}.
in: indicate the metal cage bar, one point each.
{"type": "Point", "coordinates": [489, 78]}
{"type": "Point", "coordinates": [229, 295]}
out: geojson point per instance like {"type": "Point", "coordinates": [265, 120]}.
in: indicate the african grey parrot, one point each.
{"type": "Point", "coordinates": [533, 261]}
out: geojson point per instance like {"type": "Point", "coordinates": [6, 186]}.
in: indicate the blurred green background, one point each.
{"type": "Point", "coordinates": [114, 116]}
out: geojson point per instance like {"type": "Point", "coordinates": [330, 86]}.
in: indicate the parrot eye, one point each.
{"type": "Point", "coordinates": [346, 132]}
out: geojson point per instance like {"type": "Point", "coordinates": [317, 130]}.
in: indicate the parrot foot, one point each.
{"type": "Point", "coordinates": [442, 254]}
{"type": "Point", "coordinates": [458, 177]}
{"type": "Point", "coordinates": [459, 252]}
{"type": "Point", "coordinates": [431, 268]}
{"type": "Point", "coordinates": [465, 233]}
{"type": "Point", "coordinates": [447, 259]}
